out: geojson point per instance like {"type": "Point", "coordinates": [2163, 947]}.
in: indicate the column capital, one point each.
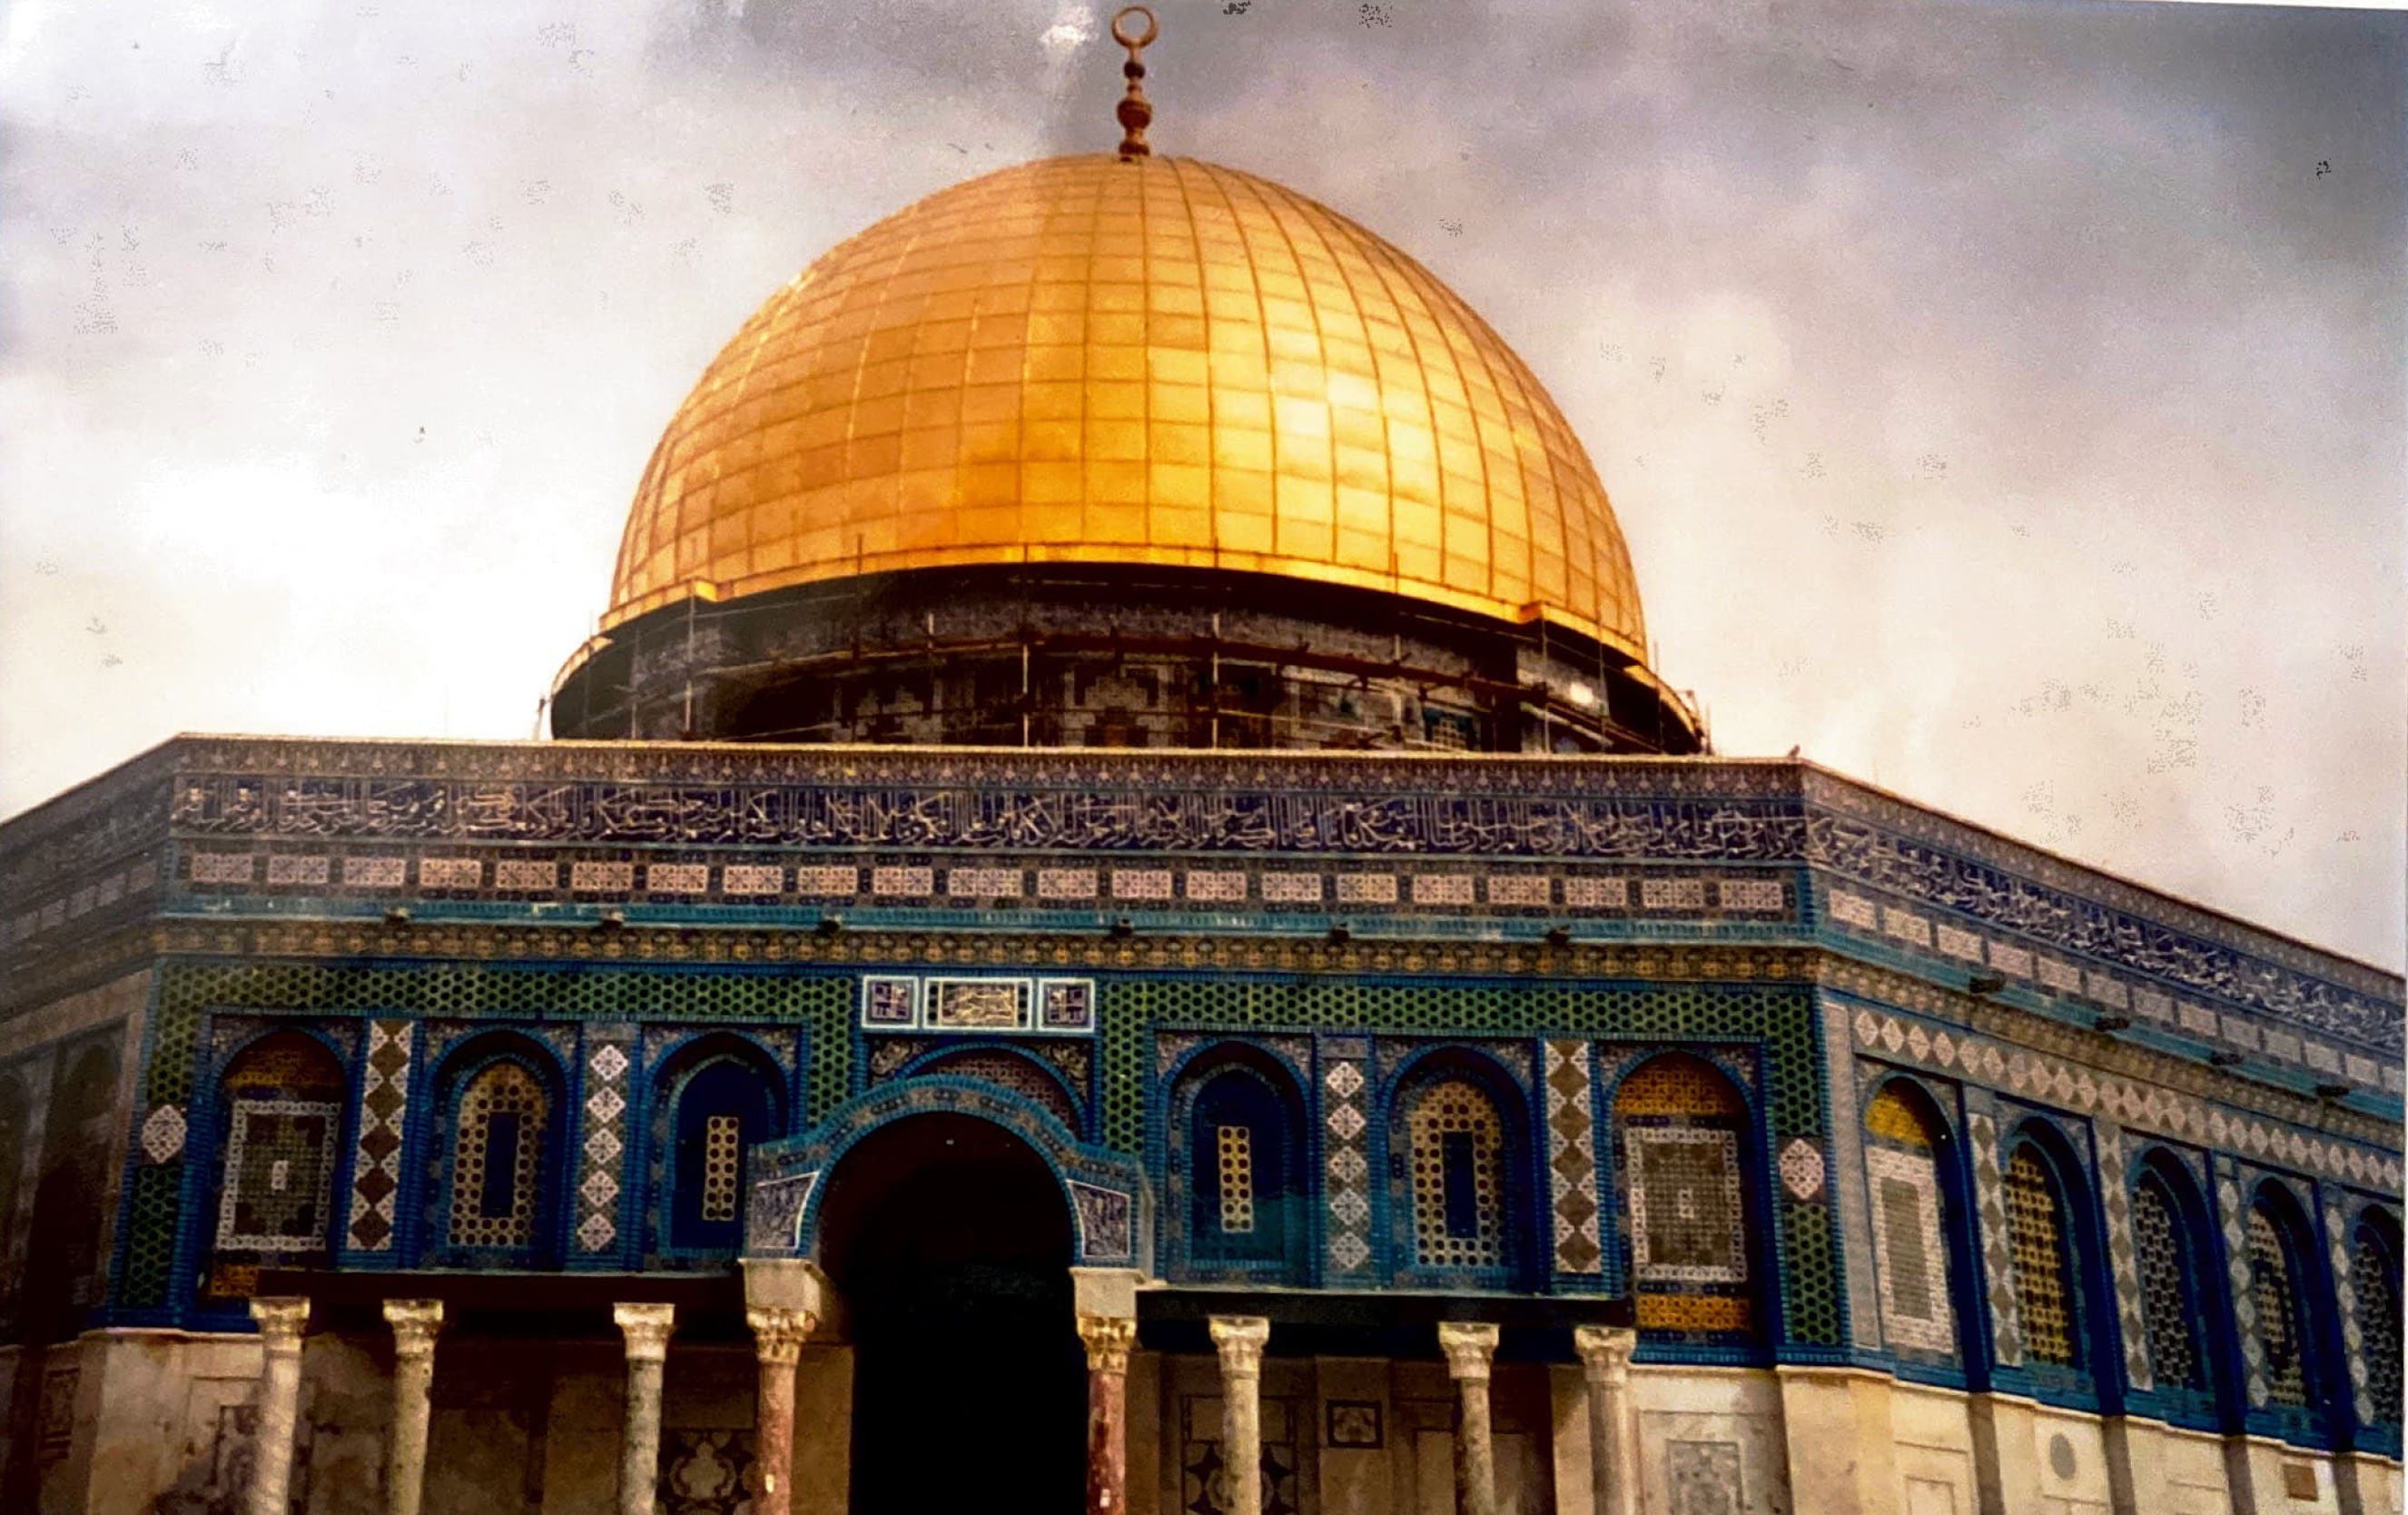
{"type": "Point", "coordinates": [414, 1324]}
{"type": "Point", "coordinates": [1240, 1339]}
{"type": "Point", "coordinates": [1605, 1351]}
{"type": "Point", "coordinates": [1469, 1346]}
{"type": "Point", "coordinates": [779, 1332]}
{"type": "Point", "coordinates": [646, 1328]}
{"type": "Point", "coordinates": [281, 1318]}
{"type": "Point", "coordinates": [1107, 1340]}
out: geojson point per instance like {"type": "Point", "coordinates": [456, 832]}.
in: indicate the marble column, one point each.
{"type": "Point", "coordinates": [280, 1320]}
{"type": "Point", "coordinates": [1240, 1339]}
{"type": "Point", "coordinates": [1613, 1419]}
{"type": "Point", "coordinates": [1107, 1340]}
{"type": "Point", "coordinates": [414, 1324]}
{"type": "Point", "coordinates": [778, 1334]}
{"type": "Point", "coordinates": [1469, 1346]}
{"type": "Point", "coordinates": [646, 1328]}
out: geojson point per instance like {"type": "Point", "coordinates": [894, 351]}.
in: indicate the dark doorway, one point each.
{"type": "Point", "coordinates": [950, 1241]}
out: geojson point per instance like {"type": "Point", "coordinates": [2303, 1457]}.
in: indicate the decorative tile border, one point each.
{"type": "Point", "coordinates": [602, 1160]}
{"type": "Point", "coordinates": [1346, 1084]}
{"type": "Point", "coordinates": [979, 1005]}
{"type": "Point", "coordinates": [2123, 1267]}
{"type": "Point", "coordinates": [1962, 1054]}
{"type": "Point", "coordinates": [1997, 1264]}
{"type": "Point", "coordinates": [384, 1113]}
{"type": "Point", "coordinates": [1572, 1158]}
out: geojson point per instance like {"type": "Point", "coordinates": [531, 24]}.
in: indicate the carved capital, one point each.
{"type": "Point", "coordinates": [1240, 1339]}
{"type": "Point", "coordinates": [1605, 1351]}
{"type": "Point", "coordinates": [414, 1324]}
{"type": "Point", "coordinates": [779, 1332]}
{"type": "Point", "coordinates": [646, 1328]}
{"type": "Point", "coordinates": [281, 1319]}
{"type": "Point", "coordinates": [1470, 1346]}
{"type": "Point", "coordinates": [1107, 1340]}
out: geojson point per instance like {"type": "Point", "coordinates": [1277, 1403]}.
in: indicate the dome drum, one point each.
{"type": "Point", "coordinates": [1111, 655]}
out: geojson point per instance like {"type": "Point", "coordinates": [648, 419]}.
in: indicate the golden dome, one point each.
{"type": "Point", "coordinates": [1153, 361]}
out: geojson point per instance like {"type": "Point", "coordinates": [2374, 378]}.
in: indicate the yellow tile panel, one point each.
{"type": "Point", "coordinates": [1162, 361]}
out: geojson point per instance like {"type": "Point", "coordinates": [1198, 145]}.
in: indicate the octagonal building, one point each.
{"type": "Point", "coordinates": [1115, 918]}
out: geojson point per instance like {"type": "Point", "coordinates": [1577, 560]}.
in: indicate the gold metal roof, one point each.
{"type": "Point", "coordinates": [1153, 361]}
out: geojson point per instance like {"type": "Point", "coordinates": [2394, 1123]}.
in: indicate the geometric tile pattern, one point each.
{"type": "Point", "coordinates": [1457, 1142]}
{"type": "Point", "coordinates": [2353, 1335]}
{"type": "Point", "coordinates": [1997, 1263]}
{"type": "Point", "coordinates": [1572, 1158]}
{"type": "Point", "coordinates": [1344, 1087]}
{"type": "Point", "coordinates": [280, 1170]}
{"type": "Point", "coordinates": [2240, 1278]}
{"type": "Point", "coordinates": [2133, 1103]}
{"type": "Point", "coordinates": [2116, 1200]}
{"type": "Point", "coordinates": [2044, 1308]}
{"type": "Point", "coordinates": [384, 1108]}
{"type": "Point", "coordinates": [1910, 1253]}
{"type": "Point", "coordinates": [2274, 1284]}
{"type": "Point", "coordinates": [602, 1162]}
{"type": "Point", "coordinates": [163, 1133]}
{"type": "Point", "coordinates": [1801, 1169]}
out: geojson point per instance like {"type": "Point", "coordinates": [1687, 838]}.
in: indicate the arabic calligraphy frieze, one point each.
{"type": "Point", "coordinates": [1284, 819]}
{"type": "Point", "coordinates": [1933, 876]}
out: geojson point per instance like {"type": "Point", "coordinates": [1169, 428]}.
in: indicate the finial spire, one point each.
{"type": "Point", "coordinates": [1136, 111]}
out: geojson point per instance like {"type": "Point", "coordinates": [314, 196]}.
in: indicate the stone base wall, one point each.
{"type": "Point", "coordinates": [159, 1423]}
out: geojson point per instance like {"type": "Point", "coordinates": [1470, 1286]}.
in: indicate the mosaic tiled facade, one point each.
{"type": "Point", "coordinates": [1560, 939]}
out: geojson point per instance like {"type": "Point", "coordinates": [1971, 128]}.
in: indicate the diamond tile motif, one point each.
{"type": "Point", "coordinates": [1572, 1158]}
{"type": "Point", "coordinates": [2237, 1278]}
{"type": "Point", "coordinates": [1990, 1207]}
{"type": "Point", "coordinates": [1801, 1169]}
{"type": "Point", "coordinates": [163, 1133]}
{"type": "Point", "coordinates": [601, 1160]}
{"type": "Point", "coordinates": [384, 1109]}
{"type": "Point", "coordinates": [1346, 1168]}
{"type": "Point", "coordinates": [2122, 1260]}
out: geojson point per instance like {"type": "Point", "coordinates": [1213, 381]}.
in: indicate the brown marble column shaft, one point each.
{"type": "Point", "coordinates": [1613, 1419]}
{"type": "Point", "coordinates": [414, 1324]}
{"type": "Point", "coordinates": [646, 1328]}
{"type": "Point", "coordinates": [280, 1320]}
{"type": "Point", "coordinates": [1239, 1340]}
{"type": "Point", "coordinates": [777, 1332]}
{"type": "Point", "coordinates": [1107, 1340]}
{"type": "Point", "coordinates": [1470, 1346]}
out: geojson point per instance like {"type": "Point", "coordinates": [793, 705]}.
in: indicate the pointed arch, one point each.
{"type": "Point", "coordinates": [2179, 1292]}
{"type": "Point", "coordinates": [1238, 1167]}
{"type": "Point", "coordinates": [1911, 1167]}
{"type": "Point", "coordinates": [1680, 1143]}
{"type": "Point", "coordinates": [2276, 1241]}
{"type": "Point", "coordinates": [496, 1200]}
{"type": "Point", "coordinates": [1459, 1195]}
{"type": "Point", "coordinates": [279, 1132]}
{"type": "Point", "coordinates": [2045, 1256]}
{"type": "Point", "coordinates": [714, 1100]}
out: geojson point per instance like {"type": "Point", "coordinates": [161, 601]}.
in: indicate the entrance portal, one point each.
{"type": "Point", "coordinates": [951, 1242]}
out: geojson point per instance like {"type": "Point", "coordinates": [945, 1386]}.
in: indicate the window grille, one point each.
{"type": "Point", "coordinates": [1236, 1159]}
{"type": "Point", "coordinates": [1457, 1145]}
{"type": "Point", "coordinates": [2167, 1314]}
{"type": "Point", "coordinates": [2374, 1274]}
{"type": "Point", "coordinates": [496, 1157]}
{"type": "Point", "coordinates": [2036, 1239]}
{"type": "Point", "coordinates": [2273, 1287]}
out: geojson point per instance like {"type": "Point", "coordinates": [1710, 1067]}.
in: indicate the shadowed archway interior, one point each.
{"type": "Point", "coordinates": [953, 1244]}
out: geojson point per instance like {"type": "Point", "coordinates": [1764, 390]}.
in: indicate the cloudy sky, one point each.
{"type": "Point", "coordinates": [2003, 402]}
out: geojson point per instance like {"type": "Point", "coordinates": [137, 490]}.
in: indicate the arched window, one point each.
{"type": "Point", "coordinates": [2375, 1276]}
{"type": "Point", "coordinates": [498, 1158]}
{"type": "Point", "coordinates": [1903, 1141]}
{"type": "Point", "coordinates": [1678, 1128]}
{"type": "Point", "coordinates": [63, 1267]}
{"type": "Point", "coordinates": [725, 1103]}
{"type": "Point", "coordinates": [1457, 1165]}
{"type": "Point", "coordinates": [2274, 1289]}
{"type": "Point", "coordinates": [2037, 1232]}
{"type": "Point", "coordinates": [1243, 1203]}
{"type": "Point", "coordinates": [282, 1108]}
{"type": "Point", "coordinates": [2171, 1306]}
